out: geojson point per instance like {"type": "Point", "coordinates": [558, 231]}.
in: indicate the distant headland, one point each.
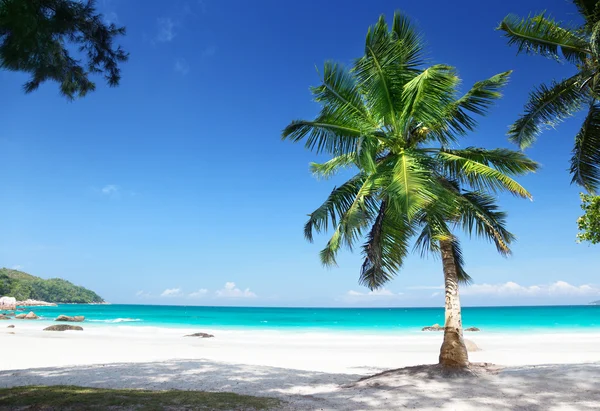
{"type": "Point", "coordinates": [31, 290]}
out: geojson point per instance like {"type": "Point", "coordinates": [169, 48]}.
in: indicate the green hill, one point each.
{"type": "Point", "coordinates": [23, 286]}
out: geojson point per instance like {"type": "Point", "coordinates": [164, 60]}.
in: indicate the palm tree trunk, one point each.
{"type": "Point", "coordinates": [453, 352]}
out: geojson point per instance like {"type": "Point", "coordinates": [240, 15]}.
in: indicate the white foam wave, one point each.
{"type": "Point", "coordinates": [118, 320]}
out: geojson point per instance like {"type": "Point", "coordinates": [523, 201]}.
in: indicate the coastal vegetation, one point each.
{"type": "Point", "coordinates": [61, 397]}
{"type": "Point", "coordinates": [396, 123]}
{"type": "Point", "coordinates": [39, 37]}
{"type": "Point", "coordinates": [23, 286]}
{"type": "Point", "coordinates": [589, 222]}
{"type": "Point", "coordinates": [548, 105]}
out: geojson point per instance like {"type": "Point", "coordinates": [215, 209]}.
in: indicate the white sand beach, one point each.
{"type": "Point", "coordinates": [540, 371]}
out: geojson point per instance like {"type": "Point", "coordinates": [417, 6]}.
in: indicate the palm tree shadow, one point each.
{"type": "Point", "coordinates": [527, 388]}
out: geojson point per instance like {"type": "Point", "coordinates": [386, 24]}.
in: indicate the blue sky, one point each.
{"type": "Point", "coordinates": [175, 188]}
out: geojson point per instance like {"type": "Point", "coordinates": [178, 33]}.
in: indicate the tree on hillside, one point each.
{"type": "Point", "coordinates": [39, 37]}
{"type": "Point", "coordinates": [549, 104]}
{"type": "Point", "coordinates": [395, 123]}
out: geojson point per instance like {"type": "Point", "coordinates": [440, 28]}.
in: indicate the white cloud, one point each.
{"type": "Point", "coordinates": [231, 291]}
{"type": "Point", "coordinates": [559, 288]}
{"type": "Point", "coordinates": [382, 292]}
{"type": "Point", "coordinates": [171, 292]}
{"type": "Point", "coordinates": [200, 293]}
{"type": "Point", "coordinates": [17, 267]}
{"type": "Point", "coordinates": [142, 294]}
{"type": "Point", "coordinates": [110, 189]}
{"type": "Point", "coordinates": [166, 30]}
{"type": "Point", "coordinates": [182, 67]}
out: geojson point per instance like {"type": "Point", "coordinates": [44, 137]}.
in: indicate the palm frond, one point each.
{"type": "Point", "coordinates": [540, 35]}
{"type": "Point", "coordinates": [331, 167]}
{"type": "Point", "coordinates": [353, 217]}
{"type": "Point", "coordinates": [547, 106]}
{"type": "Point", "coordinates": [456, 120]}
{"type": "Point", "coordinates": [425, 97]}
{"type": "Point", "coordinates": [336, 205]}
{"type": "Point", "coordinates": [480, 176]}
{"type": "Point", "coordinates": [340, 93]}
{"type": "Point", "coordinates": [585, 162]}
{"type": "Point", "coordinates": [408, 184]}
{"type": "Point", "coordinates": [327, 133]}
{"type": "Point", "coordinates": [412, 43]}
{"type": "Point", "coordinates": [381, 73]}
{"type": "Point", "coordinates": [386, 247]}
{"type": "Point", "coordinates": [590, 10]}
{"type": "Point", "coordinates": [509, 162]}
{"type": "Point", "coordinates": [459, 262]}
{"type": "Point", "coordinates": [478, 213]}
{"type": "Point", "coordinates": [483, 94]}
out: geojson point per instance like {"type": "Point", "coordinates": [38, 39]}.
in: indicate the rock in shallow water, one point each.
{"type": "Point", "coordinates": [472, 329]}
{"type": "Point", "coordinates": [201, 335]}
{"type": "Point", "coordinates": [75, 319]}
{"type": "Point", "coordinates": [434, 327]}
{"type": "Point", "coordinates": [30, 316]}
{"type": "Point", "coordinates": [63, 327]}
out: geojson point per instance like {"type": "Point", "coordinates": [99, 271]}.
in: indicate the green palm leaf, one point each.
{"type": "Point", "coordinates": [456, 120]}
{"type": "Point", "coordinates": [412, 43]}
{"type": "Point", "coordinates": [465, 168]}
{"type": "Point", "coordinates": [336, 205]}
{"type": "Point", "coordinates": [459, 262]}
{"type": "Point", "coordinates": [330, 168]}
{"type": "Point", "coordinates": [540, 35]}
{"type": "Point", "coordinates": [547, 106]}
{"type": "Point", "coordinates": [427, 95]}
{"type": "Point", "coordinates": [585, 163]}
{"type": "Point", "coordinates": [340, 93]}
{"type": "Point", "coordinates": [386, 247]}
{"type": "Point", "coordinates": [590, 10]}
{"type": "Point", "coordinates": [328, 133]}
{"type": "Point", "coordinates": [382, 73]}
{"type": "Point", "coordinates": [478, 214]}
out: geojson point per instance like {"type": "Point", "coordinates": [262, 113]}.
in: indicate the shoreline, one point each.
{"type": "Point", "coordinates": [309, 370]}
{"type": "Point", "coordinates": [340, 352]}
{"type": "Point", "coordinates": [139, 324]}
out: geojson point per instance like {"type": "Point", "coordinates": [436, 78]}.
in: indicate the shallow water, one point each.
{"type": "Point", "coordinates": [501, 319]}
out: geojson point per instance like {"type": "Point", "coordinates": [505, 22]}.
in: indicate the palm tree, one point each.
{"type": "Point", "coordinates": [394, 123]}
{"type": "Point", "coordinates": [550, 104]}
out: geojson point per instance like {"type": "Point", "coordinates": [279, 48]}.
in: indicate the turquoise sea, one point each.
{"type": "Point", "coordinates": [494, 319]}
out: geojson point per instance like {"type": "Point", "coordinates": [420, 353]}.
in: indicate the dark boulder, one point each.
{"type": "Point", "coordinates": [472, 329]}
{"type": "Point", "coordinates": [63, 327]}
{"type": "Point", "coordinates": [434, 327]}
{"type": "Point", "coordinates": [75, 319]}
{"type": "Point", "coordinates": [200, 335]}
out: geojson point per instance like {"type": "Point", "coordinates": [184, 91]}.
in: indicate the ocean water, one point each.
{"type": "Point", "coordinates": [385, 320]}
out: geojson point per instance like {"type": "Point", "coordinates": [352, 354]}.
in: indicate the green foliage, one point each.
{"type": "Point", "coordinates": [549, 105]}
{"type": "Point", "coordinates": [393, 122]}
{"type": "Point", "coordinates": [589, 222]}
{"type": "Point", "coordinates": [24, 286]}
{"type": "Point", "coordinates": [39, 37]}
